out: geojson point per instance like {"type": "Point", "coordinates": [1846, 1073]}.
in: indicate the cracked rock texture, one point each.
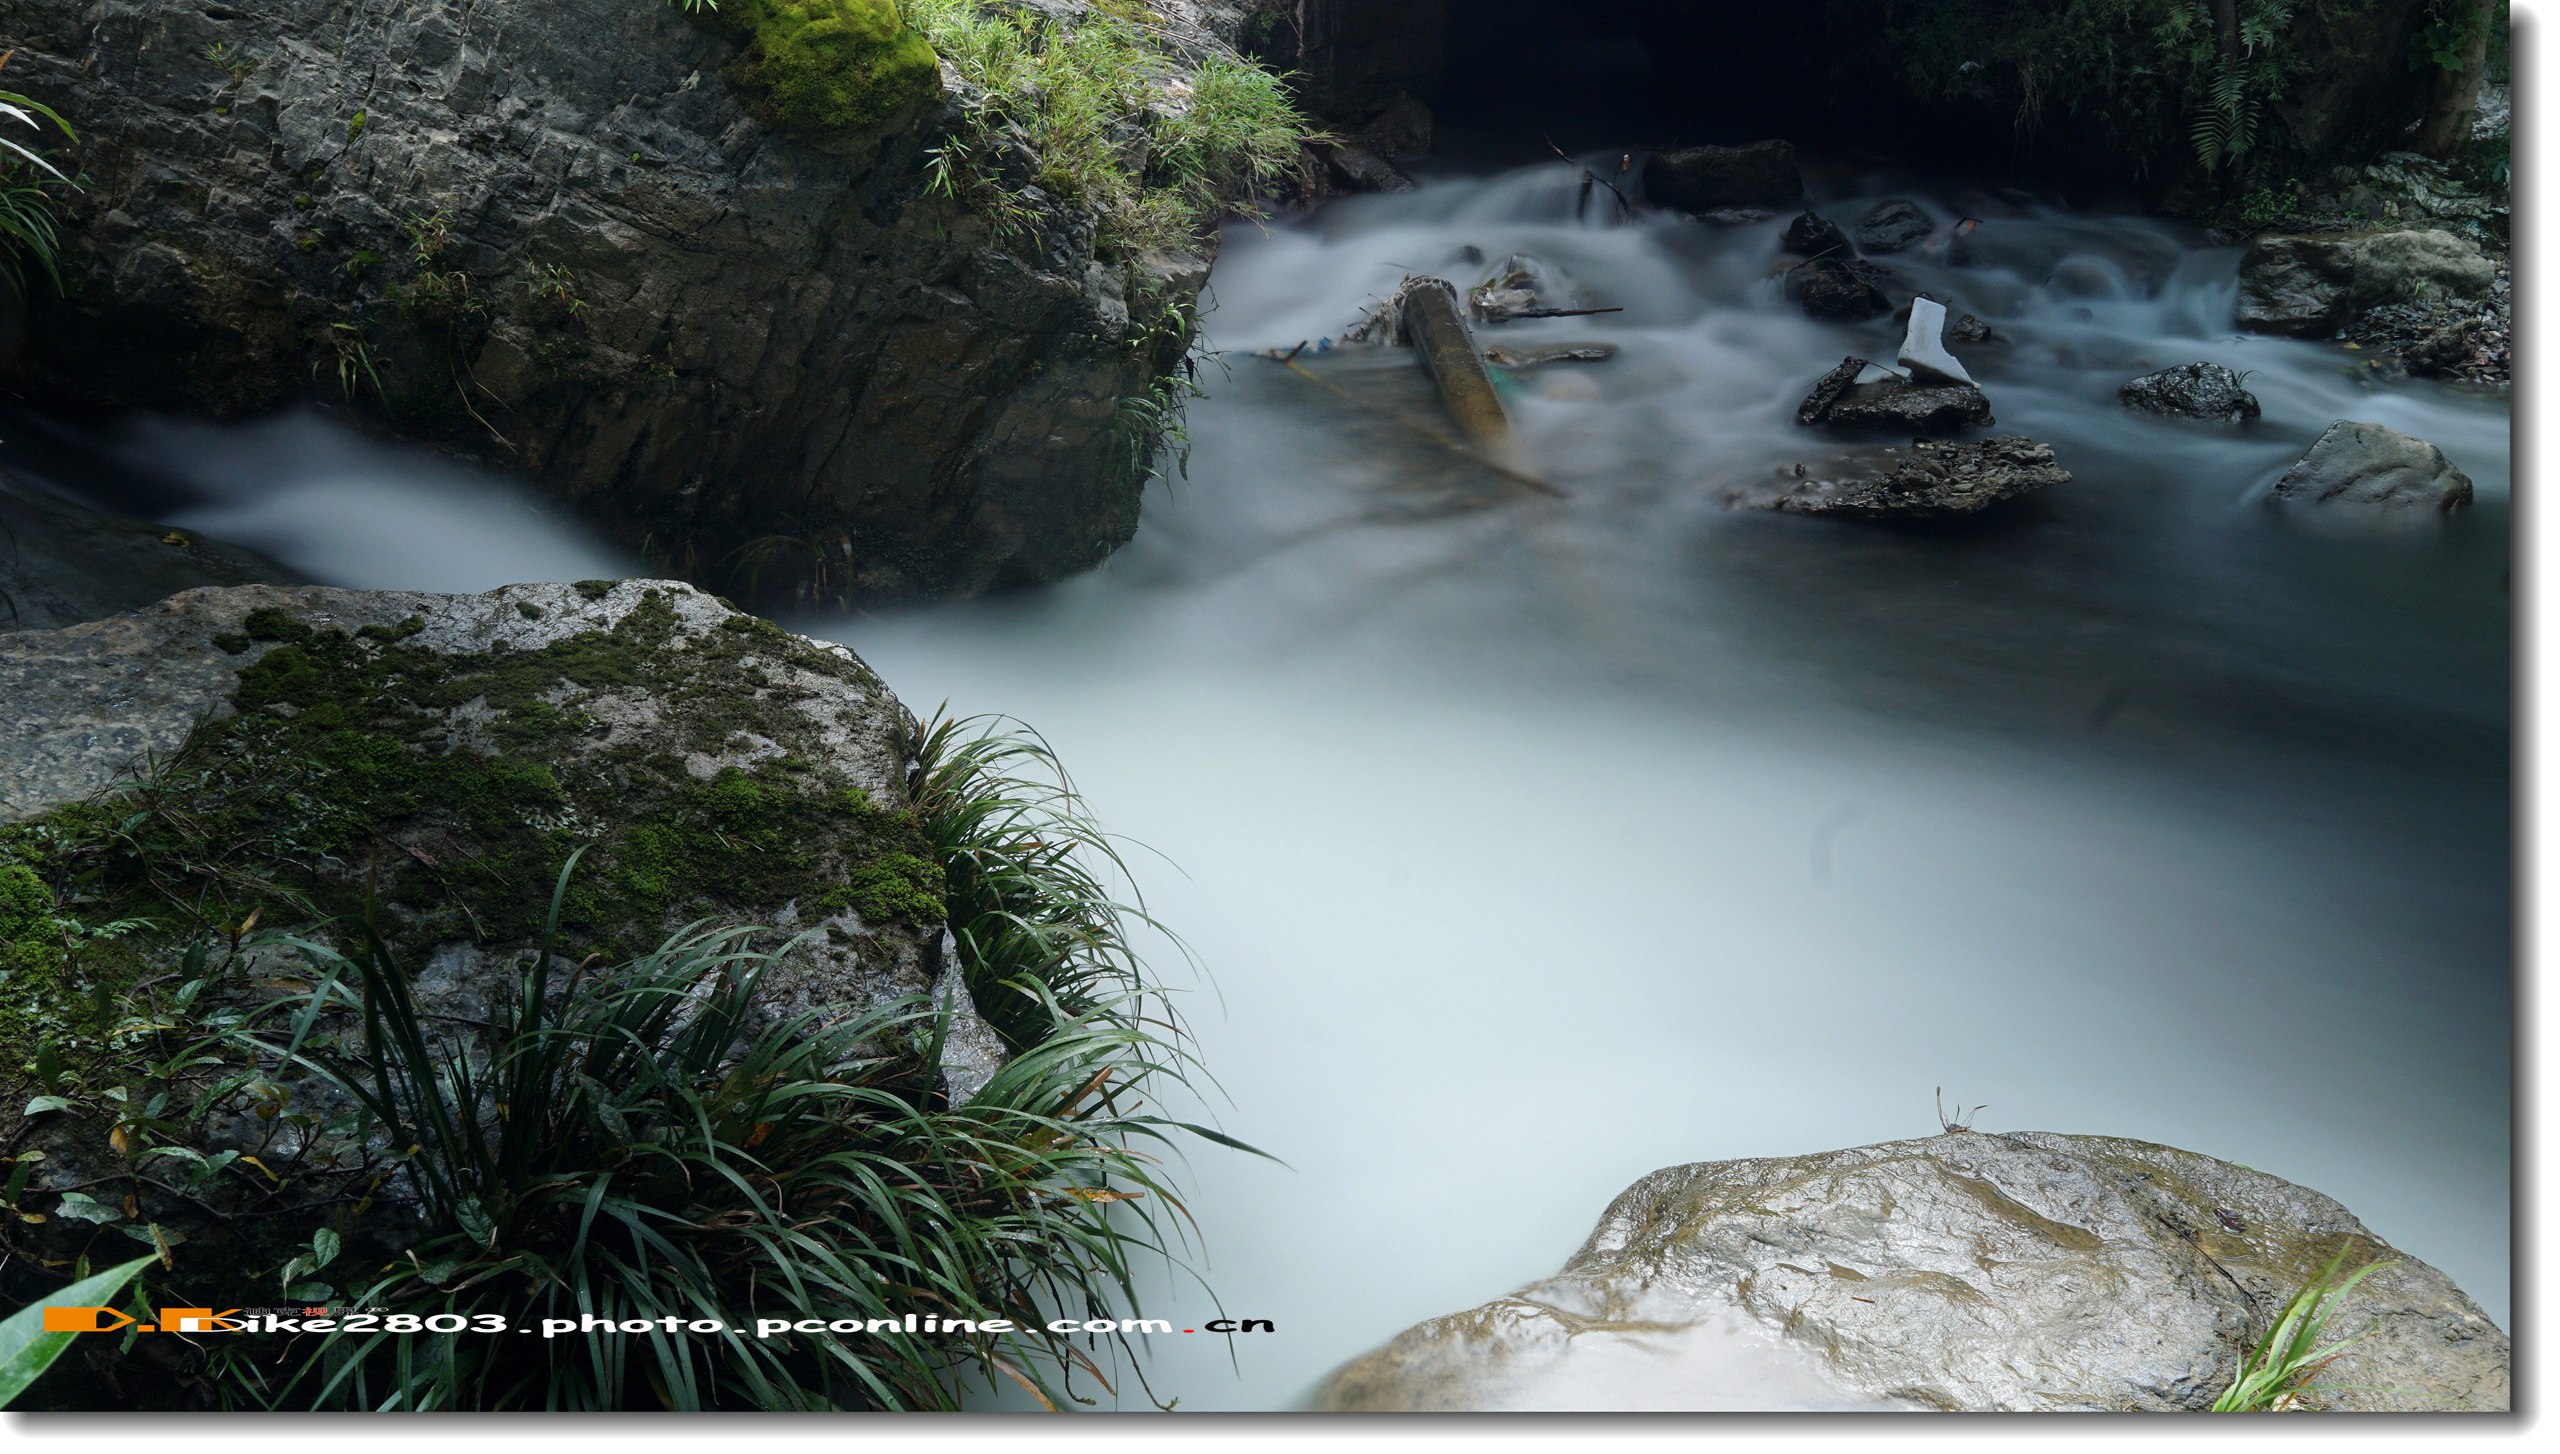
{"type": "Point", "coordinates": [1975, 1272]}
{"type": "Point", "coordinates": [550, 233]}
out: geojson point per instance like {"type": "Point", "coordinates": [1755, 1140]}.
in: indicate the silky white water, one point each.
{"type": "Point", "coordinates": [1531, 844]}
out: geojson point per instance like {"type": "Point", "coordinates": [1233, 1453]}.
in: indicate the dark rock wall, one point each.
{"type": "Point", "coordinates": [548, 232]}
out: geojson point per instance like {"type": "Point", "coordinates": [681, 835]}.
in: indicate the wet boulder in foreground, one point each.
{"type": "Point", "coordinates": [1969, 1271]}
{"type": "Point", "coordinates": [2368, 466]}
{"type": "Point", "coordinates": [2191, 391]}
{"type": "Point", "coordinates": [2311, 286]}
{"type": "Point", "coordinates": [422, 764]}
{"type": "Point", "coordinates": [1926, 481]}
{"type": "Point", "coordinates": [1704, 178]}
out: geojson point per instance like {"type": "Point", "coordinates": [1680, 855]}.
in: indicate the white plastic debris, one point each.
{"type": "Point", "coordinates": [1924, 351]}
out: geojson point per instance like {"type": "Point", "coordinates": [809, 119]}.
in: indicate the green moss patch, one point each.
{"type": "Point", "coordinates": [831, 66]}
{"type": "Point", "coordinates": [436, 797]}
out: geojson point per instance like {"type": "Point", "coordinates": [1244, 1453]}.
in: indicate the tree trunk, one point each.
{"type": "Point", "coordinates": [2455, 96]}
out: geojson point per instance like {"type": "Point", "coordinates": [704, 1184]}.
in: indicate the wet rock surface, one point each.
{"type": "Point", "coordinates": [1813, 235]}
{"type": "Point", "coordinates": [61, 564]}
{"type": "Point", "coordinates": [1704, 178]}
{"type": "Point", "coordinates": [1927, 481]}
{"type": "Point", "coordinates": [558, 224]}
{"type": "Point", "coordinates": [1971, 1271]}
{"type": "Point", "coordinates": [1841, 290]}
{"type": "Point", "coordinates": [1892, 226]}
{"type": "Point", "coordinates": [2369, 468]}
{"type": "Point", "coordinates": [2312, 286]}
{"type": "Point", "coordinates": [2191, 391]}
{"type": "Point", "coordinates": [1891, 405]}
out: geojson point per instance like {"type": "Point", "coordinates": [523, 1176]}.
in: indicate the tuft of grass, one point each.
{"type": "Point", "coordinates": [646, 1142]}
{"type": "Point", "coordinates": [1026, 876]}
{"type": "Point", "coordinates": [1103, 113]}
{"type": "Point", "coordinates": [2277, 1376]}
{"type": "Point", "coordinates": [29, 209]}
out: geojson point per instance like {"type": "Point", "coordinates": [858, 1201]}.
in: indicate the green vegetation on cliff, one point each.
{"type": "Point", "coordinates": [1104, 113]}
{"type": "Point", "coordinates": [826, 66]}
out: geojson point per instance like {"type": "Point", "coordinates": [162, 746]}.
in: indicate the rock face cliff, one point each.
{"type": "Point", "coordinates": [606, 244]}
{"type": "Point", "coordinates": [1968, 1272]}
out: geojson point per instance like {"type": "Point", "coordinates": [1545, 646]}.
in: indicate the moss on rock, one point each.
{"type": "Point", "coordinates": [832, 66]}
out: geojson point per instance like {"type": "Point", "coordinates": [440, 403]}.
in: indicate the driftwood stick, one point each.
{"type": "Point", "coordinates": [1423, 427]}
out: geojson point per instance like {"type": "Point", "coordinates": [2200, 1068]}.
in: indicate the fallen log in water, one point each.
{"type": "Point", "coordinates": [1432, 319]}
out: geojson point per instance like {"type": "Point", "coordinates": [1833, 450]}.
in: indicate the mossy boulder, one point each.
{"type": "Point", "coordinates": [1967, 1271]}
{"type": "Point", "coordinates": [821, 66]}
{"type": "Point", "coordinates": [417, 768]}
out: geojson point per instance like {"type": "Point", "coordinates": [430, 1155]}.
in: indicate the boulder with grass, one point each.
{"type": "Point", "coordinates": [1971, 1272]}
{"type": "Point", "coordinates": [260, 846]}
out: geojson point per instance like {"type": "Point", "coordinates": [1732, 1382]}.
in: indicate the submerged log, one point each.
{"type": "Point", "coordinates": [1433, 319]}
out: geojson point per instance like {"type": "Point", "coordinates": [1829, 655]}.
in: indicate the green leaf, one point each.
{"type": "Point", "coordinates": [42, 1104]}
{"type": "Point", "coordinates": [81, 1207]}
{"type": "Point", "coordinates": [324, 1248]}
{"type": "Point", "coordinates": [27, 1350]}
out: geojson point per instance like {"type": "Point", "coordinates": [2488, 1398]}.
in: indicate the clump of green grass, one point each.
{"type": "Point", "coordinates": [29, 207]}
{"type": "Point", "coordinates": [2277, 1376]}
{"type": "Point", "coordinates": [649, 1141]}
{"type": "Point", "coordinates": [1104, 114]}
{"type": "Point", "coordinates": [1026, 875]}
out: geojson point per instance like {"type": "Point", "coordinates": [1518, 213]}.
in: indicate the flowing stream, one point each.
{"type": "Point", "coordinates": [1532, 843]}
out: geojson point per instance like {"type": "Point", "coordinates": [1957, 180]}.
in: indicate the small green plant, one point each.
{"type": "Point", "coordinates": [355, 126]}
{"type": "Point", "coordinates": [353, 355]}
{"type": "Point", "coordinates": [27, 1350]}
{"type": "Point", "coordinates": [555, 294]}
{"type": "Point", "coordinates": [2276, 1376]}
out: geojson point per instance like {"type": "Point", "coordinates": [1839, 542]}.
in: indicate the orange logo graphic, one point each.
{"type": "Point", "coordinates": [108, 1320]}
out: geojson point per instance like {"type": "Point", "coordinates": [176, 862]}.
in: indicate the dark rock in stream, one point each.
{"type": "Point", "coordinates": [1840, 290]}
{"type": "Point", "coordinates": [1704, 178]}
{"type": "Point", "coordinates": [2192, 391]}
{"type": "Point", "coordinates": [1891, 405]}
{"type": "Point", "coordinates": [770, 354]}
{"type": "Point", "coordinates": [1813, 235]}
{"type": "Point", "coordinates": [1892, 226]}
{"type": "Point", "coordinates": [1972, 1271]}
{"type": "Point", "coordinates": [1355, 168]}
{"type": "Point", "coordinates": [2368, 467]}
{"type": "Point", "coordinates": [1927, 481]}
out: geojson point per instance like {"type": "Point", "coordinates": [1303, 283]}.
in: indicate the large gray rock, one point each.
{"type": "Point", "coordinates": [559, 235]}
{"type": "Point", "coordinates": [310, 759]}
{"type": "Point", "coordinates": [2311, 286]}
{"type": "Point", "coordinates": [425, 764]}
{"type": "Point", "coordinates": [1972, 1272]}
{"type": "Point", "coordinates": [2191, 391]}
{"type": "Point", "coordinates": [1704, 178]}
{"type": "Point", "coordinates": [1927, 481]}
{"type": "Point", "coordinates": [2368, 466]}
